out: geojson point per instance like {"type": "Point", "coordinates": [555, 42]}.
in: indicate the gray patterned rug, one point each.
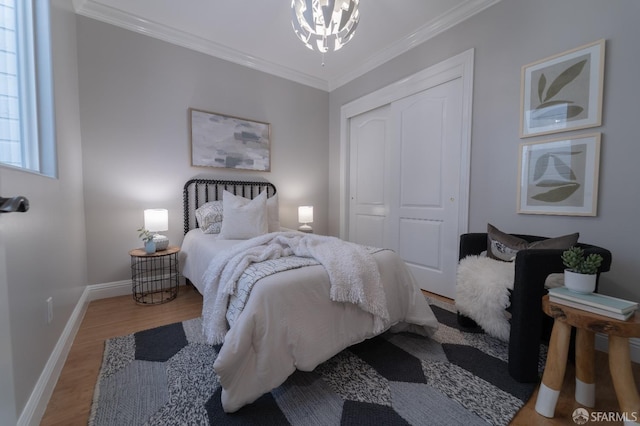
{"type": "Point", "coordinates": [164, 376]}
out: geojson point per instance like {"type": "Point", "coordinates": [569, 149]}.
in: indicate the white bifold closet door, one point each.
{"type": "Point", "coordinates": [404, 181]}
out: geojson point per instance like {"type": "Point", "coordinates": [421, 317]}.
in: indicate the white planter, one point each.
{"type": "Point", "coordinates": [580, 283]}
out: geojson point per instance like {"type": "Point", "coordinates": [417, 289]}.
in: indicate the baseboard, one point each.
{"type": "Point", "coordinates": [602, 344]}
{"type": "Point", "coordinates": [37, 403]}
{"type": "Point", "coordinates": [106, 290]}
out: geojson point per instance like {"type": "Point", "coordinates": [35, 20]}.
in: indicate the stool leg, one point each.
{"type": "Point", "coordinates": [554, 369]}
{"type": "Point", "coordinates": [585, 368]}
{"type": "Point", "coordinates": [622, 375]}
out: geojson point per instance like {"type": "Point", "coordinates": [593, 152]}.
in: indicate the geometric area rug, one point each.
{"type": "Point", "coordinates": [164, 376]}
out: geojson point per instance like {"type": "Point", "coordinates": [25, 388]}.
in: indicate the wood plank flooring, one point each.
{"type": "Point", "coordinates": [70, 403]}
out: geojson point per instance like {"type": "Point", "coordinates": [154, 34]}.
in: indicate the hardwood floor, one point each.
{"type": "Point", "coordinates": [70, 403]}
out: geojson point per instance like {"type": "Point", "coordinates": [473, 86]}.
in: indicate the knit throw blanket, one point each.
{"type": "Point", "coordinates": [352, 271]}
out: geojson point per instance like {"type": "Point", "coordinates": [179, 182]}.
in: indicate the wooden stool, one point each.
{"type": "Point", "coordinates": [587, 324]}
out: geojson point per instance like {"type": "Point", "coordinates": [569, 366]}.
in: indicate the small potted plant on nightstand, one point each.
{"type": "Point", "coordinates": [581, 273]}
{"type": "Point", "coordinates": [147, 238]}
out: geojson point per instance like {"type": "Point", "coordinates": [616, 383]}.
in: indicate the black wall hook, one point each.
{"type": "Point", "coordinates": [15, 204]}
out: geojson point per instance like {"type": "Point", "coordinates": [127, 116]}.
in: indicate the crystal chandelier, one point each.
{"type": "Point", "coordinates": [325, 25]}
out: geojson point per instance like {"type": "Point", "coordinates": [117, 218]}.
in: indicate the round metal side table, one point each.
{"type": "Point", "coordinates": [154, 276]}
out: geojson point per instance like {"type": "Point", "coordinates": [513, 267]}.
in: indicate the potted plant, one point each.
{"type": "Point", "coordinates": [147, 238]}
{"type": "Point", "coordinates": [581, 273]}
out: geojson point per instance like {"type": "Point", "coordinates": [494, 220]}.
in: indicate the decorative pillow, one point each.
{"type": "Point", "coordinates": [243, 218]}
{"type": "Point", "coordinates": [503, 246]}
{"type": "Point", "coordinates": [209, 217]}
{"type": "Point", "coordinates": [273, 214]}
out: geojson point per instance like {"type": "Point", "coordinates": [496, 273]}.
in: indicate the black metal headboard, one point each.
{"type": "Point", "coordinates": [198, 191]}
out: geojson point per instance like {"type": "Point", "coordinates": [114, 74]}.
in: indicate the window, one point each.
{"type": "Point", "coordinates": [27, 135]}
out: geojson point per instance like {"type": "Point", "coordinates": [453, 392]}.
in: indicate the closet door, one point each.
{"type": "Point", "coordinates": [405, 180]}
{"type": "Point", "coordinates": [370, 146]}
{"type": "Point", "coordinates": [425, 168]}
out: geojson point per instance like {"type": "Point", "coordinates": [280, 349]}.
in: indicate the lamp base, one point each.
{"type": "Point", "coordinates": [306, 228]}
{"type": "Point", "coordinates": [162, 242]}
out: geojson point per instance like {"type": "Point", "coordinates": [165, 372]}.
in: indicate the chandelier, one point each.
{"type": "Point", "coordinates": [325, 25]}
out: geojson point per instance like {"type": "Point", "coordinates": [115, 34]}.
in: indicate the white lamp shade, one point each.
{"type": "Point", "coordinates": [156, 220]}
{"type": "Point", "coordinates": [305, 214]}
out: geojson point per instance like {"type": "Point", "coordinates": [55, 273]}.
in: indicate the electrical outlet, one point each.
{"type": "Point", "coordinates": [49, 310]}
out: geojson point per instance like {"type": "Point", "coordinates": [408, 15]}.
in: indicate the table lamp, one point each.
{"type": "Point", "coordinates": [157, 220]}
{"type": "Point", "coordinates": [305, 216]}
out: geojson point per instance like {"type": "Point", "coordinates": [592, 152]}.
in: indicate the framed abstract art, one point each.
{"type": "Point", "coordinates": [563, 92]}
{"type": "Point", "coordinates": [219, 140]}
{"type": "Point", "coordinates": [559, 176]}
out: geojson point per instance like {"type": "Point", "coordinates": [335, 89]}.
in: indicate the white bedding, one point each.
{"type": "Point", "coordinates": [196, 253]}
{"type": "Point", "coordinates": [289, 321]}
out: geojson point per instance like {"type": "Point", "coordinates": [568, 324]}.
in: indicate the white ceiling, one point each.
{"type": "Point", "coordinates": [258, 33]}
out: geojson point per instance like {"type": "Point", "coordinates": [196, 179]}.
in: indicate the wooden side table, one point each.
{"type": "Point", "coordinates": [587, 324]}
{"type": "Point", "coordinates": [154, 276]}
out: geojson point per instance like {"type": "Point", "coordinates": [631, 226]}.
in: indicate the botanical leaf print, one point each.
{"type": "Point", "coordinates": [557, 110]}
{"type": "Point", "coordinates": [542, 83]}
{"type": "Point", "coordinates": [563, 169]}
{"type": "Point", "coordinates": [552, 103]}
{"type": "Point", "coordinates": [541, 113]}
{"type": "Point", "coordinates": [551, 183]}
{"type": "Point", "coordinates": [560, 166]}
{"type": "Point", "coordinates": [558, 194]}
{"type": "Point", "coordinates": [566, 77]}
{"type": "Point", "coordinates": [562, 189]}
{"type": "Point", "coordinates": [541, 166]}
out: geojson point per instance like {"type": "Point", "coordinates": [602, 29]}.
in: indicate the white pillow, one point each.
{"type": "Point", "coordinates": [243, 218]}
{"type": "Point", "coordinates": [273, 214]}
{"type": "Point", "coordinates": [209, 217]}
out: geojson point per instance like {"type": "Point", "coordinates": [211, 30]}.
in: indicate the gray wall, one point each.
{"type": "Point", "coordinates": [45, 247]}
{"type": "Point", "coordinates": [134, 95]}
{"type": "Point", "coordinates": [505, 37]}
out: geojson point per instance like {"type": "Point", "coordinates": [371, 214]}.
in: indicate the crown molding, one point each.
{"type": "Point", "coordinates": [131, 22]}
{"type": "Point", "coordinates": [110, 15]}
{"type": "Point", "coordinates": [429, 30]}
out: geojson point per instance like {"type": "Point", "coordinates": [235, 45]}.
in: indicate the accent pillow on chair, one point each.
{"type": "Point", "coordinates": [503, 246]}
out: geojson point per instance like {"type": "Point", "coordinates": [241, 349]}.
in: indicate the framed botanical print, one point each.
{"type": "Point", "coordinates": [219, 140]}
{"type": "Point", "coordinates": [563, 92]}
{"type": "Point", "coordinates": [559, 176]}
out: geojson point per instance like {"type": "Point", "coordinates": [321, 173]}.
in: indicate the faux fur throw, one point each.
{"type": "Point", "coordinates": [482, 293]}
{"type": "Point", "coordinates": [352, 271]}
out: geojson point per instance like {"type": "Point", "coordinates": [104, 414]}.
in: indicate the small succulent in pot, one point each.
{"type": "Point", "coordinates": [145, 235]}
{"type": "Point", "coordinates": [575, 260]}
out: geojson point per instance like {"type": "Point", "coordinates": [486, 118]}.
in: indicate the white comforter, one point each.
{"type": "Point", "coordinates": [290, 322]}
{"type": "Point", "coordinates": [353, 274]}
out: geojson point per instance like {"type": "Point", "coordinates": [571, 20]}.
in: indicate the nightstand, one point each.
{"type": "Point", "coordinates": [154, 276]}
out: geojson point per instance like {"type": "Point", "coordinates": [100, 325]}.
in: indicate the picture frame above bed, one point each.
{"type": "Point", "coordinates": [225, 141]}
{"type": "Point", "coordinates": [563, 92]}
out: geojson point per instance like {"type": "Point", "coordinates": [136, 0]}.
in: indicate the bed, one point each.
{"type": "Point", "coordinates": [286, 312]}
